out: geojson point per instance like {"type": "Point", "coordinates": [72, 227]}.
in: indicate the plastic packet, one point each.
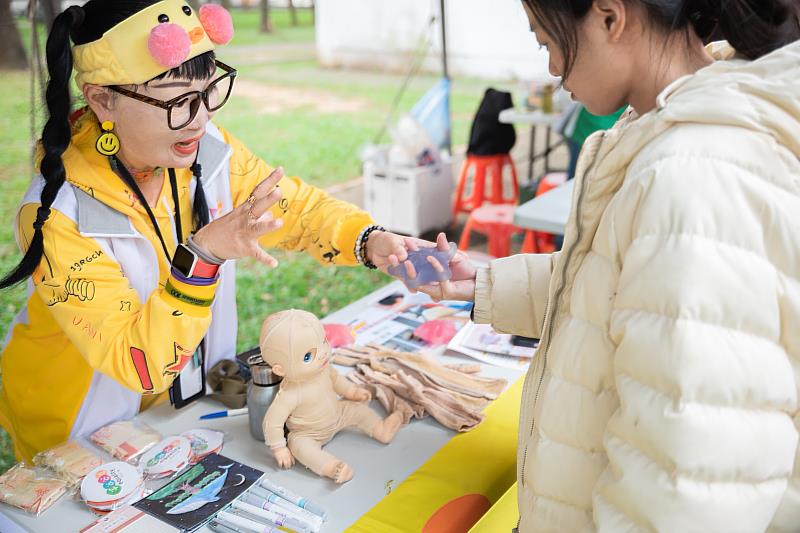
{"type": "Point", "coordinates": [425, 271]}
{"type": "Point", "coordinates": [204, 442]}
{"type": "Point", "coordinates": [111, 486]}
{"type": "Point", "coordinates": [126, 440]}
{"type": "Point", "coordinates": [29, 489]}
{"type": "Point", "coordinates": [69, 461]}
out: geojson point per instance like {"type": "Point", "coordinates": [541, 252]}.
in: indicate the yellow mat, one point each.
{"type": "Point", "coordinates": [503, 515]}
{"type": "Point", "coordinates": [460, 483]}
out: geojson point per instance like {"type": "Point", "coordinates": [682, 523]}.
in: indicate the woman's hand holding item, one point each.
{"type": "Point", "coordinates": [461, 285]}
{"type": "Point", "coordinates": [383, 247]}
{"type": "Point", "coordinates": [236, 234]}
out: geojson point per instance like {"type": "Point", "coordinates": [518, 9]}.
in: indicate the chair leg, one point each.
{"type": "Point", "coordinates": [529, 244]}
{"type": "Point", "coordinates": [458, 199]}
{"type": "Point", "coordinates": [497, 183]}
{"type": "Point", "coordinates": [478, 187]}
{"type": "Point", "coordinates": [514, 181]}
{"type": "Point", "coordinates": [463, 243]}
{"type": "Point", "coordinates": [505, 243]}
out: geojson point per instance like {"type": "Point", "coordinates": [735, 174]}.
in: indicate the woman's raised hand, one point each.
{"type": "Point", "coordinates": [236, 234]}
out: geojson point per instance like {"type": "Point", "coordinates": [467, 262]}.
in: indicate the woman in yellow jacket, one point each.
{"type": "Point", "coordinates": [129, 229]}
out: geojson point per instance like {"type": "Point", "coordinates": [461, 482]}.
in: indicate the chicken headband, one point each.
{"type": "Point", "coordinates": [151, 42]}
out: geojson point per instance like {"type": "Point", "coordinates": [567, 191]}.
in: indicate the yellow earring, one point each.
{"type": "Point", "coordinates": [108, 142]}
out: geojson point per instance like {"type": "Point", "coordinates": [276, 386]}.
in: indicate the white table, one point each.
{"type": "Point", "coordinates": [534, 119]}
{"type": "Point", "coordinates": [548, 212]}
{"type": "Point", "coordinates": [377, 467]}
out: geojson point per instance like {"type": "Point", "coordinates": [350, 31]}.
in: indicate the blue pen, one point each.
{"type": "Point", "coordinates": [225, 413]}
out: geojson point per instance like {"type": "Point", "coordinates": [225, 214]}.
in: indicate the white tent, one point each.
{"type": "Point", "coordinates": [486, 38]}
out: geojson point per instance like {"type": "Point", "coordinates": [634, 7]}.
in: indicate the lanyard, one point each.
{"type": "Point", "coordinates": [123, 172]}
{"type": "Point", "coordinates": [176, 396]}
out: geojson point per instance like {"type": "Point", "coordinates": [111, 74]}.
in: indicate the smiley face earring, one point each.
{"type": "Point", "coordinates": [108, 142]}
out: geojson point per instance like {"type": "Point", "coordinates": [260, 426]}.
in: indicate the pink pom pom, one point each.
{"type": "Point", "coordinates": [217, 22]}
{"type": "Point", "coordinates": [169, 45]}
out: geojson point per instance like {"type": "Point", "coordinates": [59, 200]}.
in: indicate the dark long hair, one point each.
{"type": "Point", "coordinates": [753, 27]}
{"type": "Point", "coordinates": [82, 25]}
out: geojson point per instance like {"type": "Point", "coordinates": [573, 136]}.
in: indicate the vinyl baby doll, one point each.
{"type": "Point", "coordinates": [293, 343]}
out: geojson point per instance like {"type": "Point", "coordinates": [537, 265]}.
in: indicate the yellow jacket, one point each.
{"type": "Point", "coordinates": [99, 331]}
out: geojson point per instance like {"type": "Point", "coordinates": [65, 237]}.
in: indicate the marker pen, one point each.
{"type": "Point", "coordinates": [312, 521]}
{"type": "Point", "coordinates": [296, 499]}
{"type": "Point", "coordinates": [274, 517]}
{"type": "Point", "coordinates": [240, 522]}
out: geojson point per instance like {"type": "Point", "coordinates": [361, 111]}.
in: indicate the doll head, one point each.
{"type": "Point", "coordinates": [293, 343]}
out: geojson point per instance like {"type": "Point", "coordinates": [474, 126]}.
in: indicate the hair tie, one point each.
{"type": "Point", "coordinates": [78, 15]}
{"type": "Point", "coordinates": [42, 214]}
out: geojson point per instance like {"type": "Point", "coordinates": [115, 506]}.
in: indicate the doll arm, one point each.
{"type": "Point", "coordinates": [278, 413]}
{"type": "Point", "coordinates": [347, 390]}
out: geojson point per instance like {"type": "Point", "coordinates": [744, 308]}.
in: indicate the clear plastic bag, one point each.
{"type": "Point", "coordinates": [29, 489]}
{"type": "Point", "coordinates": [125, 440]}
{"type": "Point", "coordinates": [69, 461]}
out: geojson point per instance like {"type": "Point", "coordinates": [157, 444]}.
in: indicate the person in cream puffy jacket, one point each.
{"type": "Point", "coordinates": [664, 393]}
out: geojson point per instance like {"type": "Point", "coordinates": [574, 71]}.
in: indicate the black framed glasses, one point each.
{"type": "Point", "coordinates": [182, 109]}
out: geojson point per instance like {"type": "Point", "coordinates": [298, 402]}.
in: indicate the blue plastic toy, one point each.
{"type": "Point", "coordinates": [425, 271]}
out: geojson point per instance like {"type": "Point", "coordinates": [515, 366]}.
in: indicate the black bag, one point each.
{"type": "Point", "coordinates": [488, 135]}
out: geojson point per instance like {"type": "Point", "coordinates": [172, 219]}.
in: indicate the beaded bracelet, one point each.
{"type": "Point", "coordinates": [361, 246]}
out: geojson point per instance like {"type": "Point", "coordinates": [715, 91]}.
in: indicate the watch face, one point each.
{"type": "Point", "coordinates": [184, 260]}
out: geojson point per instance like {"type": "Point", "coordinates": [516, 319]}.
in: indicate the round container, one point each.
{"type": "Point", "coordinates": [110, 483]}
{"type": "Point", "coordinates": [204, 442]}
{"type": "Point", "coordinates": [166, 457]}
{"type": "Point", "coordinates": [260, 392]}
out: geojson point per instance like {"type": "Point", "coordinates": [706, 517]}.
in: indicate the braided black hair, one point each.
{"type": "Point", "coordinates": [83, 25]}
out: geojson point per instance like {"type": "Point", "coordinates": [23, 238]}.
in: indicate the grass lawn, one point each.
{"type": "Point", "coordinates": [319, 143]}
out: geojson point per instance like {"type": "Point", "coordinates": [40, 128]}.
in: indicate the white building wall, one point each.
{"type": "Point", "coordinates": [485, 38]}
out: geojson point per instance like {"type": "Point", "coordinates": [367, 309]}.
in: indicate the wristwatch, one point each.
{"type": "Point", "coordinates": [191, 265]}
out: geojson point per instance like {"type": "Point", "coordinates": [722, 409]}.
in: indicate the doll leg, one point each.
{"type": "Point", "coordinates": [365, 419]}
{"type": "Point", "coordinates": [385, 430]}
{"type": "Point", "coordinates": [308, 451]}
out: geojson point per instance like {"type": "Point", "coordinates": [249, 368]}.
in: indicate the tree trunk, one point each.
{"type": "Point", "coordinates": [313, 12]}
{"type": "Point", "coordinates": [266, 23]}
{"type": "Point", "coordinates": [293, 12]}
{"type": "Point", "coordinates": [50, 9]}
{"type": "Point", "coordinates": [226, 4]}
{"type": "Point", "coordinates": [12, 53]}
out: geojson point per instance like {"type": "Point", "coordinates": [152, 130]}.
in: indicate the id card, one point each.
{"type": "Point", "coordinates": [190, 385]}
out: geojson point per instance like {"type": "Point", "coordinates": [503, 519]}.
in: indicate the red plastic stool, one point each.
{"type": "Point", "coordinates": [478, 167]}
{"type": "Point", "coordinates": [494, 221]}
{"type": "Point", "coordinates": [538, 241]}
